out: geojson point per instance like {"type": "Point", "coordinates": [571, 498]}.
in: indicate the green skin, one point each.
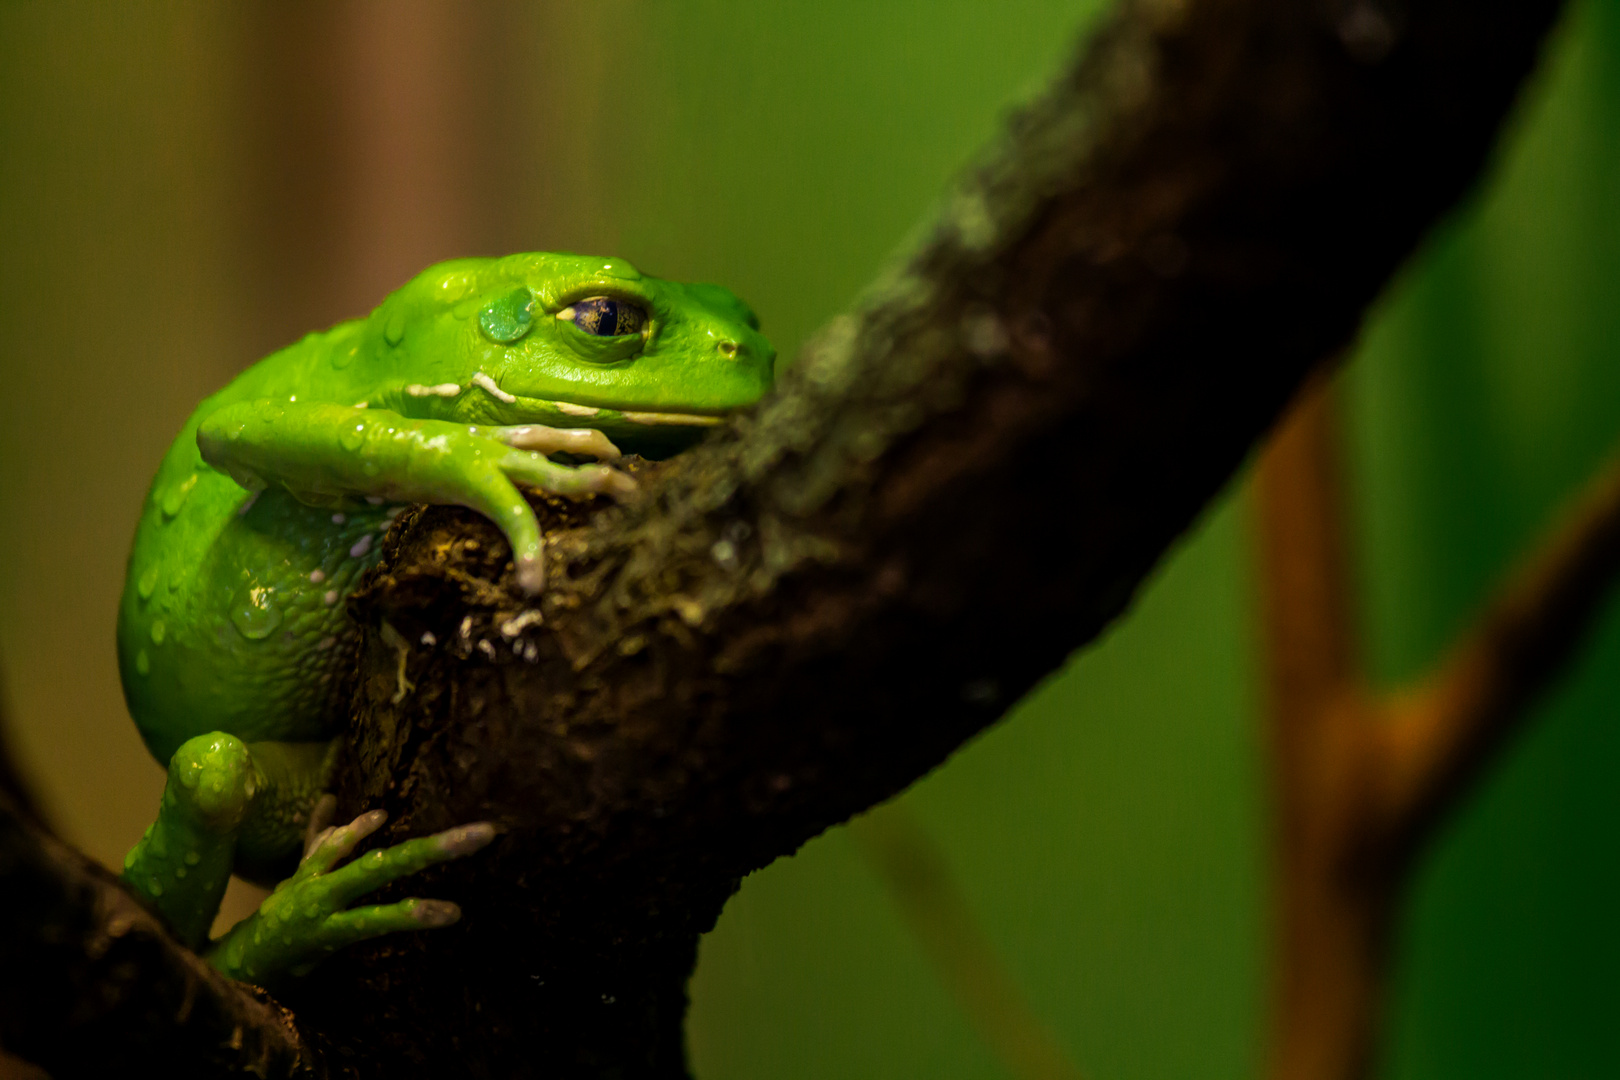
{"type": "Point", "coordinates": [268, 508]}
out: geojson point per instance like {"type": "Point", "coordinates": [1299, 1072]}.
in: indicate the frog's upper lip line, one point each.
{"type": "Point", "coordinates": [634, 416]}
{"type": "Point", "coordinates": [483, 381]}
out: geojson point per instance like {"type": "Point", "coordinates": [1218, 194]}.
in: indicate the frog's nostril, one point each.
{"type": "Point", "coordinates": [731, 350]}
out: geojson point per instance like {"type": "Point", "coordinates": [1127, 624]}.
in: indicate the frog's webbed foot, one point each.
{"type": "Point", "coordinates": [307, 917]}
{"type": "Point", "coordinates": [527, 464]}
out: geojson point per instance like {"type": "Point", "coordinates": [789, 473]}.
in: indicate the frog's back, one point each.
{"type": "Point", "coordinates": [231, 617]}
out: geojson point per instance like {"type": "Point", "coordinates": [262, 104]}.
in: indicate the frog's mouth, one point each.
{"type": "Point", "coordinates": [649, 433]}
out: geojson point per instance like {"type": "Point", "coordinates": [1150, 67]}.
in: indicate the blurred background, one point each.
{"type": "Point", "coordinates": [185, 187]}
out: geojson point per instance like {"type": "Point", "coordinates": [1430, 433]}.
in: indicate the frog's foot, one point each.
{"type": "Point", "coordinates": [532, 468]}
{"type": "Point", "coordinates": [308, 917]}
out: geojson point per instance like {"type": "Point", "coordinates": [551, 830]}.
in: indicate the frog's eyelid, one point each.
{"type": "Point", "coordinates": [601, 290]}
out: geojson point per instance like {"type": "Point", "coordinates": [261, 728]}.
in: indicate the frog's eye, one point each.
{"type": "Point", "coordinates": [603, 316]}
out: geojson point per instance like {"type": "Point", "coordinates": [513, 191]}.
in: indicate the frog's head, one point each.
{"type": "Point", "coordinates": [577, 341]}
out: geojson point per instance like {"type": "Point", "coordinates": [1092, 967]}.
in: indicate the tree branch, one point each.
{"type": "Point", "coordinates": [1440, 734]}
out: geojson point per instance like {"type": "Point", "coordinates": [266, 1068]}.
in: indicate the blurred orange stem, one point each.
{"type": "Point", "coordinates": [1359, 779]}
{"type": "Point", "coordinates": [1331, 896]}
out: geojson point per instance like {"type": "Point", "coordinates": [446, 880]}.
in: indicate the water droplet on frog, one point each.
{"type": "Point", "coordinates": [352, 436]}
{"type": "Point", "coordinates": [148, 582]}
{"type": "Point", "coordinates": [157, 886]}
{"type": "Point", "coordinates": [143, 663]}
{"type": "Point", "coordinates": [180, 872]}
{"type": "Point", "coordinates": [174, 497]}
{"type": "Point", "coordinates": [159, 632]}
{"type": "Point", "coordinates": [394, 331]}
{"type": "Point", "coordinates": [453, 287]}
{"type": "Point", "coordinates": [342, 358]}
{"type": "Point", "coordinates": [254, 616]}
{"type": "Point", "coordinates": [192, 858]}
{"type": "Point", "coordinates": [508, 318]}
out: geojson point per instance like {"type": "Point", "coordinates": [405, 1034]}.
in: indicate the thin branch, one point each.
{"type": "Point", "coordinates": [1331, 905]}
{"type": "Point", "coordinates": [1308, 619]}
{"type": "Point", "coordinates": [1361, 780]}
{"type": "Point", "coordinates": [916, 873]}
{"type": "Point", "coordinates": [1441, 733]}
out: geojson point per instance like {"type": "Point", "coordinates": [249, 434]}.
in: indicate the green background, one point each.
{"type": "Point", "coordinates": [184, 187]}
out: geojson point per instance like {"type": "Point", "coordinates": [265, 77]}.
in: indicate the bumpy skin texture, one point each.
{"type": "Point", "coordinates": [267, 510]}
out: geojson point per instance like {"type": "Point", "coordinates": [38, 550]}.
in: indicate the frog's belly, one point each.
{"type": "Point", "coordinates": [236, 622]}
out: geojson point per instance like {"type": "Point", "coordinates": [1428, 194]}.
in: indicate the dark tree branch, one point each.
{"type": "Point", "coordinates": [92, 983]}
{"type": "Point", "coordinates": [956, 485]}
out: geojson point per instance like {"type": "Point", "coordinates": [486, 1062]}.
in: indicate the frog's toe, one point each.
{"type": "Point", "coordinates": [377, 868]}
{"type": "Point", "coordinates": [533, 469]}
{"type": "Point", "coordinates": [330, 846]}
{"type": "Point", "coordinates": [531, 573]}
{"type": "Point", "coordinates": [358, 924]}
{"type": "Point", "coordinates": [587, 442]}
{"type": "Point", "coordinates": [320, 820]}
{"type": "Point", "coordinates": [347, 928]}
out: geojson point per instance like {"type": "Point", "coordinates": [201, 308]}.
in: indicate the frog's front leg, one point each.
{"type": "Point", "coordinates": [325, 453]}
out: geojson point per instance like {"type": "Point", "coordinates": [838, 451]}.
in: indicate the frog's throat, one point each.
{"type": "Point", "coordinates": [517, 409]}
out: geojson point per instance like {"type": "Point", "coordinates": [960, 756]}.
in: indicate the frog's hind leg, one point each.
{"type": "Point", "coordinates": [272, 837]}
{"type": "Point", "coordinates": [228, 805]}
{"type": "Point", "coordinates": [182, 864]}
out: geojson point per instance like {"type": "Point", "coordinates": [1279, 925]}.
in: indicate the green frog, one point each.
{"type": "Point", "coordinates": [477, 378]}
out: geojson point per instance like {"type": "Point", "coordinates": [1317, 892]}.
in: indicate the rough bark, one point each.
{"type": "Point", "coordinates": [956, 485]}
